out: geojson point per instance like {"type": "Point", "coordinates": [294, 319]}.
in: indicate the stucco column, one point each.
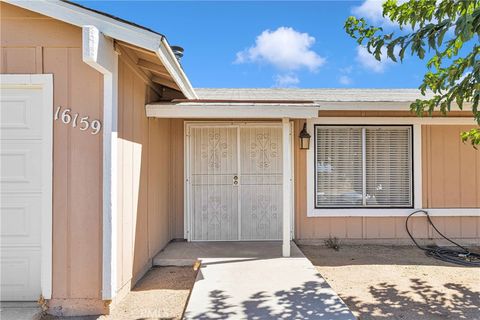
{"type": "Point", "coordinates": [287, 185]}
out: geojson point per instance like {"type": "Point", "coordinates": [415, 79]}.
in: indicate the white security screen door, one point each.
{"type": "Point", "coordinates": [261, 182]}
{"type": "Point", "coordinates": [214, 182]}
{"type": "Point", "coordinates": [235, 179]}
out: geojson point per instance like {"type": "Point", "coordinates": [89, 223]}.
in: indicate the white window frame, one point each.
{"type": "Point", "coordinates": [417, 168]}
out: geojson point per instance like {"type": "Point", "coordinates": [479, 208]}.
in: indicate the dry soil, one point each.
{"type": "Point", "coordinates": [384, 282]}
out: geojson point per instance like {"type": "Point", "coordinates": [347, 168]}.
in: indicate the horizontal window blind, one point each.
{"type": "Point", "coordinates": [388, 166]}
{"type": "Point", "coordinates": [363, 166]}
{"type": "Point", "coordinates": [339, 167]}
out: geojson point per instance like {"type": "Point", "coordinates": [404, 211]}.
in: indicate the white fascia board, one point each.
{"type": "Point", "coordinates": [166, 55]}
{"type": "Point", "coordinates": [79, 16]}
{"type": "Point", "coordinates": [115, 29]}
{"type": "Point", "coordinates": [99, 53]}
{"type": "Point", "coordinates": [394, 120]}
{"type": "Point", "coordinates": [236, 111]}
{"type": "Point", "coordinates": [375, 106]}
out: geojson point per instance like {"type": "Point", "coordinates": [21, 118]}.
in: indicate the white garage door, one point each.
{"type": "Point", "coordinates": [25, 181]}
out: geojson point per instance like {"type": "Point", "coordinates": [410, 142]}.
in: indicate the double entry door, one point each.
{"type": "Point", "coordinates": [234, 180]}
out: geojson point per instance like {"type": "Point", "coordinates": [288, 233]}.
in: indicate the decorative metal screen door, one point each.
{"type": "Point", "coordinates": [235, 182]}
{"type": "Point", "coordinates": [214, 191]}
{"type": "Point", "coordinates": [261, 182]}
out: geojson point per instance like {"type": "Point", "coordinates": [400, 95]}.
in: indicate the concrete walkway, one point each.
{"type": "Point", "coordinates": [250, 280]}
{"type": "Point", "coordinates": [20, 311]}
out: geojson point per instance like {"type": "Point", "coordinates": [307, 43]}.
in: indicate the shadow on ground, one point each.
{"type": "Point", "coordinates": [392, 303]}
{"type": "Point", "coordinates": [308, 301]}
{"type": "Point", "coordinates": [348, 255]}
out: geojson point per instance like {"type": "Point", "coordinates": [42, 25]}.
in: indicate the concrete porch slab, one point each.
{"type": "Point", "coordinates": [251, 280]}
{"type": "Point", "coordinates": [184, 253]}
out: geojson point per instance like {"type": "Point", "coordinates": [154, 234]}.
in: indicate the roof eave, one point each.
{"type": "Point", "coordinates": [116, 29]}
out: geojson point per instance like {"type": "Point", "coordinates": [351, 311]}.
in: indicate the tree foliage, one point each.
{"type": "Point", "coordinates": [448, 31]}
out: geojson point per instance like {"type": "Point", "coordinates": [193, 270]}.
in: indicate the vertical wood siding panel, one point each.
{"type": "Point", "coordinates": [386, 227]}
{"type": "Point", "coordinates": [304, 227]}
{"type": "Point", "coordinates": [128, 192]}
{"type": "Point", "coordinates": [86, 180]}
{"type": "Point", "coordinates": [354, 227]}
{"type": "Point", "coordinates": [400, 231]}
{"type": "Point", "coordinates": [468, 227]}
{"type": "Point", "coordinates": [451, 156]}
{"type": "Point", "coordinates": [338, 227]}
{"type": "Point", "coordinates": [452, 227]}
{"type": "Point", "coordinates": [177, 177]}
{"type": "Point", "coordinates": [371, 228]}
{"type": "Point", "coordinates": [419, 227]}
{"type": "Point", "coordinates": [425, 166]}
{"type": "Point", "coordinates": [121, 176]}
{"type": "Point", "coordinates": [451, 167]}
{"type": "Point", "coordinates": [153, 205]}
{"type": "Point", "coordinates": [141, 165]}
{"type": "Point", "coordinates": [20, 60]}
{"type": "Point", "coordinates": [3, 64]}
{"type": "Point", "coordinates": [468, 173]}
{"type": "Point", "coordinates": [437, 168]}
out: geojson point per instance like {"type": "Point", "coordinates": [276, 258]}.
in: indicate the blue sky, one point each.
{"type": "Point", "coordinates": [270, 44]}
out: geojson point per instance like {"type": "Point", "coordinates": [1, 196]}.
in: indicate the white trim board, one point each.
{"type": "Point", "coordinates": [115, 29]}
{"type": "Point", "coordinates": [99, 53]}
{"type": "Point", "coordinates": [45, 83]}
{"type": "Point", "coordinates": [231, 110]}
{"type": "Point", "coordinates": [375, 106]}
{"type": "Point", "coordinates": [417, 168]}
{"type": "Point", "coordinates": [394, 120]}
{"type": "Point", "coordinates": [386, 212]}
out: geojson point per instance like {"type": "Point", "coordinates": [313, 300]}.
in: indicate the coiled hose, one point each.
{"type": "Point", "coordinates": [461, 256]}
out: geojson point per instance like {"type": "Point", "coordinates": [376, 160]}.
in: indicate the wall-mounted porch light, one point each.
{"type": "Point", "coordinates": [304, 138]}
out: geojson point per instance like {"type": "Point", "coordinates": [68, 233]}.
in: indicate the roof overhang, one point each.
{"type": "Point", "coordinates": [116, 29]}
{"type": "Point", "coordinates": [210, 109]}
{"type": "Point", "coordinates": [375, 106]}
{"type": "Point", "coordinates": [232, 110]}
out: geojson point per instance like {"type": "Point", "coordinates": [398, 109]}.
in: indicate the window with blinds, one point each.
{"type": "Point", "coordinates": [367, 166]}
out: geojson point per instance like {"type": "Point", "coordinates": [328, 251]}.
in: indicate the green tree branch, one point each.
{"type": "Point", "coordinates": [442, 27]}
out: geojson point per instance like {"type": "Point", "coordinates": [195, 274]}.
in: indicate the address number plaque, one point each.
{"type": "Point", "coordinates": [83, 123]}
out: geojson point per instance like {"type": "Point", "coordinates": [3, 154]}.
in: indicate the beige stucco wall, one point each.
{"type": "Point", "coordinates": [31, 43]}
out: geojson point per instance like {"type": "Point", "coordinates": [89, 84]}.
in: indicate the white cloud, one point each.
{"type": "Point", "coordinates": [346, 70]}
{"type": "Point", "coordinates": [284, 48]}
{"type": "Point", "coordinates": [345, 80]}
{"type": "Point", "coordinates": [368, 61]}
{"type": "Point", "coordinates": [286, 81]}
{"type": "Point", "coordinates": [372, 10]}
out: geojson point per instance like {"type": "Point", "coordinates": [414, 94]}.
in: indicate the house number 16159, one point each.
{"type": "Point", "coordinates": [67, 117]}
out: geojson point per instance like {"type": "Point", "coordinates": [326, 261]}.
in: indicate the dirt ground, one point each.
{"type": "Point", "coordinates": [161, 294]}
{"type": "Point", "coordinates": [384, 282]}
